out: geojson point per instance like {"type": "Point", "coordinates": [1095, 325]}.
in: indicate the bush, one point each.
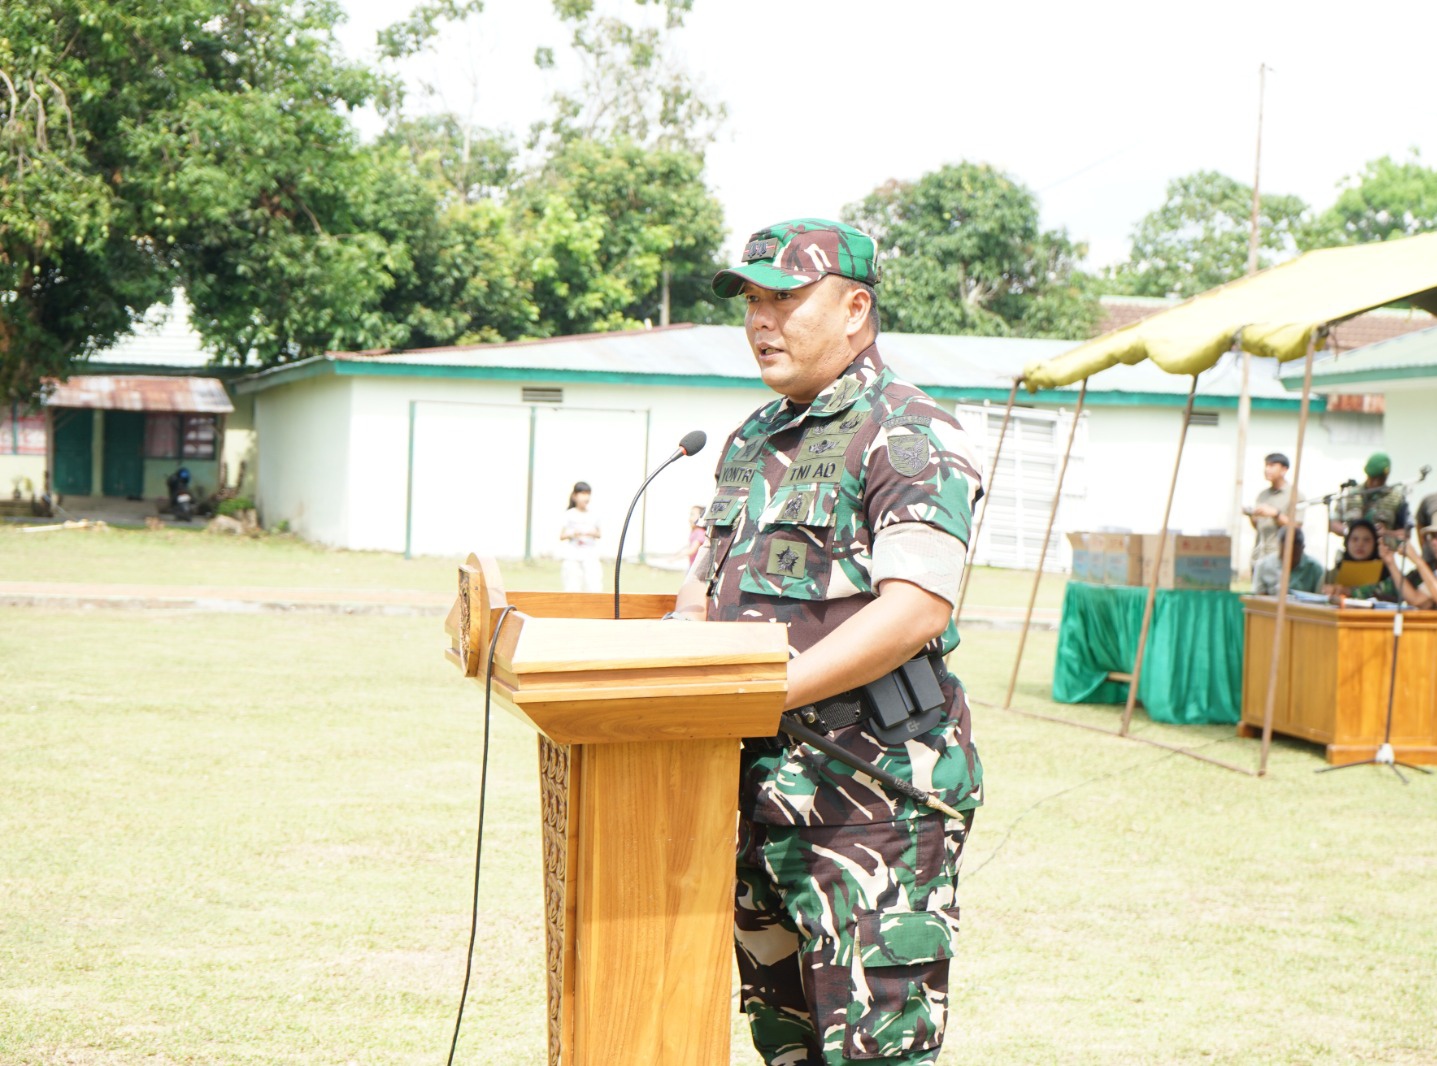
{"type": "Point", "coordinates": [234, 505]}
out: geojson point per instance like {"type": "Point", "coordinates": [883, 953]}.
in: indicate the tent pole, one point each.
{"type": "Point", "coordinates": [1157, 566]}
{"type": "Point", "coordinates": [988, 498]}
{"type": "Point", "coordinates": [1287, 546]}
{"type": "Point", "coordinates": [1043, 551]}
{"type": "Point", "coordinates": [1244, 416]}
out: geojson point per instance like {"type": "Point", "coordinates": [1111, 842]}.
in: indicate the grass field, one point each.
{"type": "Point", "coordinates": [248, 839]}
{"type": "Point", "coordinates": [176, 556]}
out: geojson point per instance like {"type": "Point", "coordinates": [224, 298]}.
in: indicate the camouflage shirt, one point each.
{"type": "Point", "coordinates": [1385, 505]}
{"type": "Point", "coordinates": [802, 492]}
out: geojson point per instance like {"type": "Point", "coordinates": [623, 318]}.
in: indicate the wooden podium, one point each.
{"type": "Point", "coordinates": [1334, 672]}
{"type": "Point", "coordinates": [638, 723]}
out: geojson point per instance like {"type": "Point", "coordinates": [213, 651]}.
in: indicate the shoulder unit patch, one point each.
{"type": "Point", "coordinates": [908, 453]}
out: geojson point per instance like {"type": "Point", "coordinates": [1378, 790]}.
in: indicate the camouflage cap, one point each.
{"type": "Point", "coordinates": [790, 255]}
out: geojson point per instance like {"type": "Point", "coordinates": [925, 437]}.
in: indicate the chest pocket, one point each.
{"type": "Point", "coordinates": [792, 554]}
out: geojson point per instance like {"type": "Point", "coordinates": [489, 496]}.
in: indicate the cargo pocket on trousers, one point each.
{"type": "Point", "coordinates": [900, 983]}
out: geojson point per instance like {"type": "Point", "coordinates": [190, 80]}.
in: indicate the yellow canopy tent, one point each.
{"type": "Point", "coordinates": [1270, 314]}
{"type": "Point", "coordinates": [1281, 313]}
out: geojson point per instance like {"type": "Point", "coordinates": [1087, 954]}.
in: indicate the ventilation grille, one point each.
{"type": "Point", "coordinates": [534, 394]}
{"type": "Point", "coordinates": [1203, 418]}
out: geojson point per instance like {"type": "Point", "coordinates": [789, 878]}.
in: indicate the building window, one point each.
{"type": "Point", "coordinates": [162, 436]}
{"type": "Point", "coordinates": [201, 433]}
{"type": "Point", "coordinates": [181, 436]}
{"type": "Point", "coordinates": [21, 434]}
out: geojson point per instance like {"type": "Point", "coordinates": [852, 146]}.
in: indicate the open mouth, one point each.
{"type": "Point", "coordinates": [766, 350]}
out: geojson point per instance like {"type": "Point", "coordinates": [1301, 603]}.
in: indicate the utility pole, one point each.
{"type": "Point", "coordinates": [664, 299]}
{"type": "Point", "coordinates": [1244, 398]}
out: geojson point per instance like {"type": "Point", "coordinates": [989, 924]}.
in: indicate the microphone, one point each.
{"type": "Point", "coordinates": [692, 443]}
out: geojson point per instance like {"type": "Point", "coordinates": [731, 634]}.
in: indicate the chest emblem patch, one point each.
{"type": "Point", "coordinates": [787, 559]}
{"type": "Point", "coordinates": [908, 453]}
{"type": "Point", "coordinates": [721, 512]}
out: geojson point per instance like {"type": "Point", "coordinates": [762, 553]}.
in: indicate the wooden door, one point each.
{"type": "Point", "coordinates": [74, 437]}
{"type": "Point", "coordinates": [124, 461]}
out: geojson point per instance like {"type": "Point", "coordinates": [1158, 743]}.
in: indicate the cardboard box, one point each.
{"type": "Point", "coordinates": [1082, 558]}
{"type": "Point", "coordinates": [1189, 562]}
{"type": "Point", "coordinates": [1107, 558]}
{"type": "Point", "coordinates": [1122, 555]}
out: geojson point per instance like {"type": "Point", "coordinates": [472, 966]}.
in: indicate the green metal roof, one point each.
{"type": "Point", "coordinates": [954, 368]}
{"type": "Point", "coordinates": [1378, 367]}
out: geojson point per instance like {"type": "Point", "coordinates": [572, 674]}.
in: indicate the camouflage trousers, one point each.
{"type": "Point", "coordinates": [844, 935]}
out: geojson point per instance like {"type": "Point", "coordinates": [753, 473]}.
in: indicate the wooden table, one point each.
{"type": "Point", "coordinates": [1334, 668]}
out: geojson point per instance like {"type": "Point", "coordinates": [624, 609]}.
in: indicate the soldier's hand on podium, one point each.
{"type": "Point", "coordinates": [691, 613]}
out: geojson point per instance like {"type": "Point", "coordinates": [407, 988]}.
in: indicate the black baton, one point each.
{"type": "Point", "coordinates": [796, 729]}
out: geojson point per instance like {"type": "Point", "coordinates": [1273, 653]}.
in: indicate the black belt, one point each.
{"type": "Point", "coordinates": [837, 712]}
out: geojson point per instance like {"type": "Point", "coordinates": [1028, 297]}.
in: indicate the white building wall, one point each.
{"type": "Point", "coordinates": [303, 434]}
{"type": "Point", "coordinates": [1412, 431]}
{"type": "Point", "coordinates": [335, 453]}
{"type": "Point", "coordinates": [471, 444]}
{"type": "Point", "coordinates": [1131, 452]}
{"type": "Point", "coordinates": [17, 470]}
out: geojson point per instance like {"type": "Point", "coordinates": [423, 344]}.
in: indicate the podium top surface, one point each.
{"type": "Point", "coordinates": [580, 677]}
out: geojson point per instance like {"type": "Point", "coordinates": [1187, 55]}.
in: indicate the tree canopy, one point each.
{"type": "Point", "coordinates": [1198, 238]}
{"type": "Point", "coordinates": [1386, 199]}
{"type": "Point", "coordinates": [963, 252]}
{"type": "Point", "coordinates": [202, 142]}
{"type": "Point", "coordinates": [208, 144]}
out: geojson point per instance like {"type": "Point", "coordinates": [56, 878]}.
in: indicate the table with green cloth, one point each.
{"type": "Point", "coordinates": [1192, 669]}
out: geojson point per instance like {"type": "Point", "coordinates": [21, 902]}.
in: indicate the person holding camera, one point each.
{"type": "Point", "coordinates": [1419, 586]}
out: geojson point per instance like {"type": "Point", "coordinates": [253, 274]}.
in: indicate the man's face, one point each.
{"type": "Point", "coordinates": [1274, 472]}
{"type": "Point", "coordinates": [800, 337]}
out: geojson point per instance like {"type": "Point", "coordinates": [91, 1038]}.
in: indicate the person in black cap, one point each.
{"type": "Point", "coordinates": [1269, 514]}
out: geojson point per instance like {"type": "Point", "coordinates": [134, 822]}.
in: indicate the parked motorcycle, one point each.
{"type": "Point", "coordinates": [182, 502]}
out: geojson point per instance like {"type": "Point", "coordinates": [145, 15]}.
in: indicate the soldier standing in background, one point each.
{"type": "Point", "coordinates": [843, 510]}
{"type": "Point", "coordinates": [1385, 506]}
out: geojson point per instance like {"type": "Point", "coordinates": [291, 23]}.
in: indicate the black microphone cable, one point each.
{"type": "Point", "coordinates": [692, 443]}
{"type": "Point", "coordinates": [479, 842]}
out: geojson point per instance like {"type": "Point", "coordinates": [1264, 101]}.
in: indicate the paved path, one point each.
{"type": "Point", "coordinates": [258, 598]}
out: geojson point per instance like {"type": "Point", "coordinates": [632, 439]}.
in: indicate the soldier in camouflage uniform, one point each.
{"type": "Point", "coordinates": [1384, 505]}
{"type": "Point", "coordinates": [843, 510]}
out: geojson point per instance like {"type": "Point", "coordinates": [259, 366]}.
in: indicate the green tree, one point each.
{"type": "Point", "coordinates": [198, 142]}
{"type": "Point", "coordinates": [963, 252]}
{"type": "Point", "coordinates": [630, 86]}
{"type": "Point", "coordinates": [1386, 199]}
{"type": "Point", "coordinates": [455, 261]}
{"type": "Point", "coordinates": [603, 220]}
{"type": "Point", "coordinates": [1198, 238]}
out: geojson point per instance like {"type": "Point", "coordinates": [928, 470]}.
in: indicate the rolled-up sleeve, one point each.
{"type": "Point", "coordinates": [922, 555]}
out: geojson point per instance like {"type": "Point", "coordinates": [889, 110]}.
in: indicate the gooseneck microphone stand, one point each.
{"type": "Point", "coordinates": [1384, 755]}
{"type": "Point", "coordinates": [691, 444]}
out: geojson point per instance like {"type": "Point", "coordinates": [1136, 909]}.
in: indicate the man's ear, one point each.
{"type": "Point", "coordinates": [857, 302]}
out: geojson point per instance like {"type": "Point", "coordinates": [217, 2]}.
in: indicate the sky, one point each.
{"type": "Point", "coordinates": [1094, 107]}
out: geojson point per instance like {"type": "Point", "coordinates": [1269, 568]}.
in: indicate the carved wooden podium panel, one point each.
{"type": "Point", "coordinates": [638, 723]}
